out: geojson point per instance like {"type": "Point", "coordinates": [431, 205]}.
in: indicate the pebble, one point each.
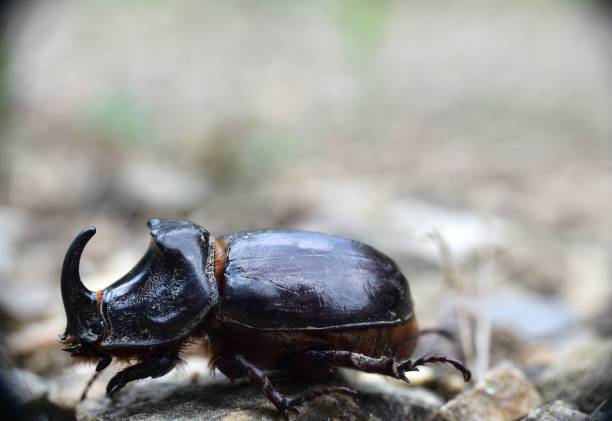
{"type": "Point", "coordinates": [580, 375]}
{"type": "Point", "coordinates": [556, 411]}
{"type": "Point", "coordinates": [504, 394]}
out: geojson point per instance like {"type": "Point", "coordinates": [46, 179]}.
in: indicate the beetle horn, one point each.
{"type": "Point", "coordinates": [71, 279]}
{"type": "Point", "coordinates": [82, 317]}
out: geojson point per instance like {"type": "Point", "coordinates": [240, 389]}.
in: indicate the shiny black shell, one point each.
{"type": "Point", "coordinates": [167, 294]}
{"type": "Point", "coordinates": [297, 280]}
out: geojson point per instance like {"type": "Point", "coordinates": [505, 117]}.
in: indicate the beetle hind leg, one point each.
{"type": "Point", "coordinates": [242, 366]}
{"type": "Point", "coordinates": [388, 366]}
{"type": "Point", "coordinates": [280, 401]}
{"type": "Point", "coordinates": [412, 366]}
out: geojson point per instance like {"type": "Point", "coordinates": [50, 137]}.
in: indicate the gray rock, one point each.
{"type": "Point", "coordinates": [219, 399]}
{"type": "Point", "coordinates": [582, 375]}
{"type": "Point", "coordinates": [504, 394]}
{"type": "Point", "coordinates": [30, 397]}
{"type": "Point", "coordinates": [556, 411]}
{"type": "Point", "coordinates": [30, 386]}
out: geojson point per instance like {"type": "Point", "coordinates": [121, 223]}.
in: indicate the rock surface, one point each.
{"type": "Point", "coordinates": [504, 394]}
{"type": "Point", "coordinates": [582, 375]}
{"type": "Point", "coordinates": [556, 411]}
{"type": "Point", "coordinates": [218, 399]}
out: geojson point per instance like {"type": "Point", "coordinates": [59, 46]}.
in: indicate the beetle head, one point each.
{"type": "Point", "coordinates": [84, 325]}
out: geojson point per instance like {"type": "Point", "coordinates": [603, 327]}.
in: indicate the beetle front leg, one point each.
{"type": "Point", "coordinates": [149, 367]}
{"type": "Point", "coordinates": [387, 366]}
{"type": "Point", "coordinates": [102, 364]}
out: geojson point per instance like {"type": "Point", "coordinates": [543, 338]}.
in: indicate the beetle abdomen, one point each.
{"type": "Point", "coordinates": [296, 280]}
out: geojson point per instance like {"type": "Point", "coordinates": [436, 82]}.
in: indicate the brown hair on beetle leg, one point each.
{"type": "Point", "coordinates": [86, 359]}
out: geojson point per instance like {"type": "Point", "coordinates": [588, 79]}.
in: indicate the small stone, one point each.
{"type": "Point", "coordinates": [26, 397]}
{"type": "Point", "coordinates": [450, 385]}
{"type": "Point", "coordinates": [504, 394]}
{"type": "Point", "coordinates": [417, 397]}
{"type": "Point", "coordinates": [31, 386]}
{"type": "Point", "coordinates": [581, 375]}
{"type": "Point", "coordinates": [556, 411]}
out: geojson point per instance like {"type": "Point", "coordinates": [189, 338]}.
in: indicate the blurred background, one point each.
{"type": "Point", "coordinates": [471, 141]}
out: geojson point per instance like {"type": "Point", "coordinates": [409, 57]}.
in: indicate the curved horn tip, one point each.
{"type": "Point", "coordinates": [83, 236]}
{"type": "Point", "coordinates": [88, 231]}
{"type": "Point", "coordinates": [70, 268]}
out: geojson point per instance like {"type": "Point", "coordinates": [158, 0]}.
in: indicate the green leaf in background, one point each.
{"type": "Point", "coordinates": [363, 22]}
{"type": "Point", "coordinates": [120, 118]}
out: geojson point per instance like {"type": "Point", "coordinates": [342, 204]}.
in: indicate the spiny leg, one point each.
{"type": "Point", "coordinates": [412, 366]}
{"type": "Point", "coordinates": [383, 365]}
{"type": "Point", "coordinates": [258, 377]}
{"type": "Point", "coordinates": [149, 367]}
{"type": "Point", "coordinates": [102, 364]}
{"type": "Point", "coordinates": [281, 403]}
{"type": "Point", "coordinates": [388, 366]}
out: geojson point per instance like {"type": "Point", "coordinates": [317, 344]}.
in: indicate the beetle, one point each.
{"type": "Point", "coordinates": [300, 302]}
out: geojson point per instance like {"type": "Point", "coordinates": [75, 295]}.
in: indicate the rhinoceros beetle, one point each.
{"type": "Point", "coordinates": [295, 301]}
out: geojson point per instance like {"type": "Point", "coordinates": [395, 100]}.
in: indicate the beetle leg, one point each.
{"type": "Point", "coordinates": [102, 364]}
{"type": "Point", "coordinates": [388, 366]}
{"type": "Point", "coordinates": [383, 365]}
{"type": "Point", "coordinates": [260, 379]}
{"type": "Point", "coordinates": [150, 367]}
{"type": "Point", "coordinates": [412, 366]}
